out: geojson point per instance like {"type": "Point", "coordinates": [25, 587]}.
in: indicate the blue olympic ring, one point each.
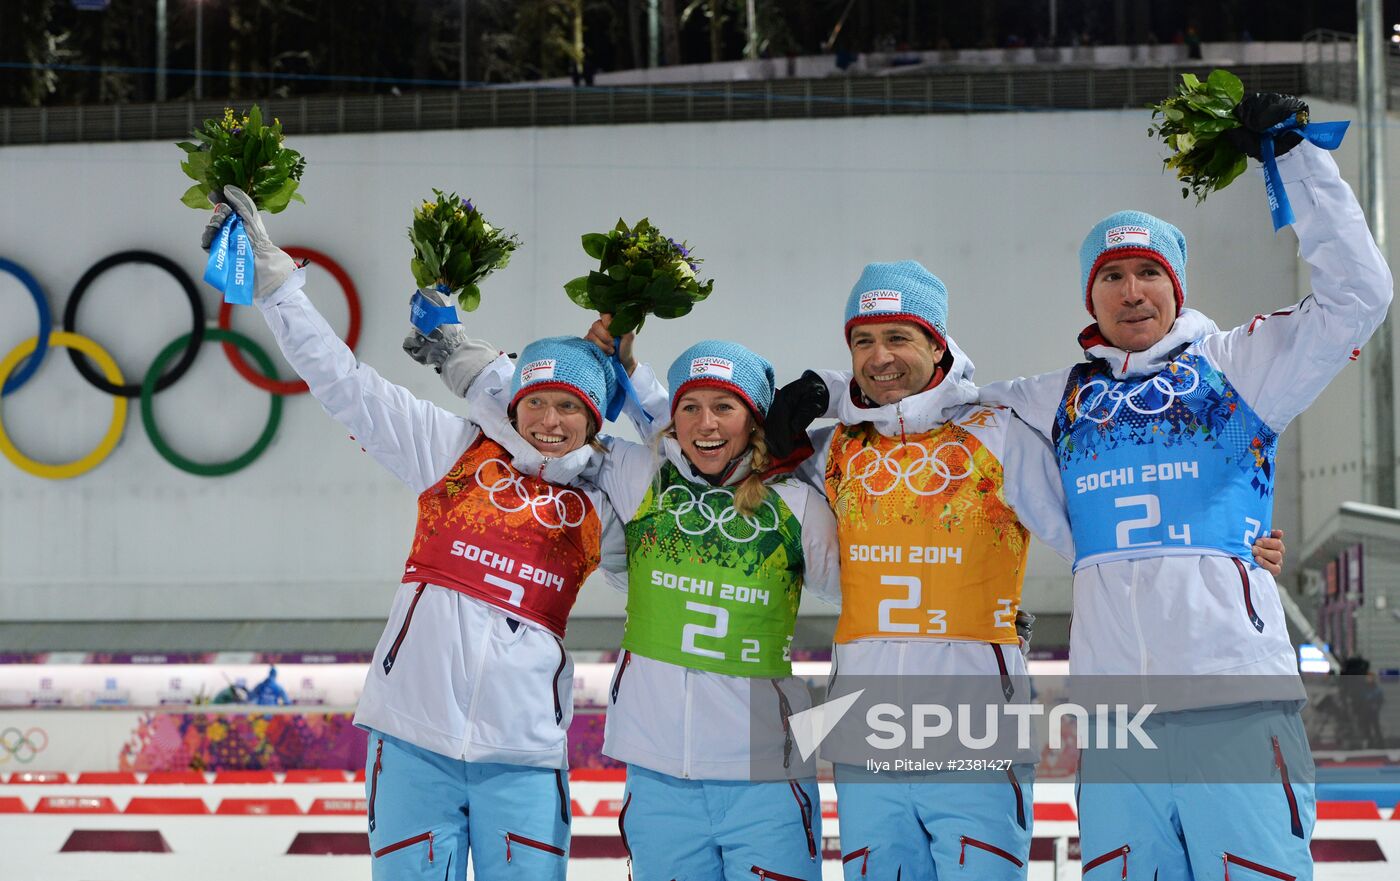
{"type": "Point", "coordinates": [41, 303]}
{"type": "Point", "coordinates": [22, 740]}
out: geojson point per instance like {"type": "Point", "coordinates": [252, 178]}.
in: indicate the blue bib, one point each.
{"type": "Point", "coordinates": [1175, 463]}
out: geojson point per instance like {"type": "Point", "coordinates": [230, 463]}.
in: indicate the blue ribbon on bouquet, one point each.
{"type": "Point", "coordinates": [1327, 135]}
{"type": "Point", "coordinates": [625, 390]}
{"type": "Point", "coordinates": [230, 266]}
{"type": "Point", "coordinates": [428, 316]}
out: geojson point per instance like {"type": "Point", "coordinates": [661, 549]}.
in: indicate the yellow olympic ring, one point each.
{"type": "Point", "coordinates": [113, 374]}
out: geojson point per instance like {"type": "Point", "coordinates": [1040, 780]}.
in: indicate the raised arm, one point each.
{"type": "Point", "coordinates": [415, 440]}
{"type": "Point", "coordinates": [1280, 363]}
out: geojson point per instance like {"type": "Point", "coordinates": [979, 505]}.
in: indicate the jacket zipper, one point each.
{"type": "Point", "coordinates": [685, 732]}
{"type": "Point", "coordinates": [863, 853]}
{"type": "Point", "coordinates": [776, 876]}
{"type": "Point", "coordinates": [621, 668]}
{"type": "Point", "coordinates": [374, 780]}
{"type": "Point", "coordinates": [1006, 687]}
{"type": "Point", "coordinates": [1293, 817]}
{"type": "Point", "coordinates": [1229, 858]}
{"type": "Point", "coordinates": [393, 652]}
{"type": "Point", "coordinates": [407, 842]}
{"type": "Point", "coordinates": [530, 842]}
{"type": "Point", "coordinates": [622, 831]}
{"type": "Point", "coordinates": [564, 812]}
{"type": "Point", "coordinates": [1137, 625]}
{"type": "Point", "coordinates": [804, 806]}
{"type": "Point", "coordinates": [1020, 798]}
{"type": "Point", "coordinates": [1248, 599]}
{"type": "Point", "coordinates": [1108, 858]}
{"type": "Point", "coordinates": [899, 414]}
{"type": "Point", "coordinates": [989, 848]}
{"type": "Point", "coordinates": [558, 705]}
{"type": "Point", "coordinates": [785, 710]}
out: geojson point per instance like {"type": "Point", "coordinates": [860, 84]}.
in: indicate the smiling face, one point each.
{"type": "Point", "coordinates": [713, 427]}
{"type": "Point", "coordinates": [552, 421]}
{"type": "Point", "coordinates": [893, 360]}
{"type": "Point", "coordinates": [1134, 301]}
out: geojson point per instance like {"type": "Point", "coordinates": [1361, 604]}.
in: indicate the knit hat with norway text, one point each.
{"type": "Point", "coordinates": [903, 291]}
{"type": "Point", "coordinates": [724, 365]}
{"type": "Point", "coordinates": [567, 363]}
{"type": "Point", "coordinates": [1133, 234]}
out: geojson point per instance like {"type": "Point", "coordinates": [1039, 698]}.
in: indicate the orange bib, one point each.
{"type": "Point", "coordinates": [929, 547]}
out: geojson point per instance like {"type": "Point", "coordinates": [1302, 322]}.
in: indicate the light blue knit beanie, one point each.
{"type": "Point", "coordinates": [725, 365]}
{"type": "Point", "coordinates": [567, 363]}
{"type": "Point", "coordinates": [903, 291]}
{"type": "Point", "coordinates": [1133, 234]}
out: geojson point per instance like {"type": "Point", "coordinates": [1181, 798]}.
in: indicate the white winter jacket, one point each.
{"type": "Point", "coordinates": [1186, 615]}
{"type": "Point", "coordinates": [469, 681]}
{"type": "Point", "coordinates": [1031, 488]}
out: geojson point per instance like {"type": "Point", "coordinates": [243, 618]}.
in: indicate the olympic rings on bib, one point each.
{"type": "Point", "coordinates": [22, 746]}
{"type": "Point", "coordinates": [719, 514]}
{"type": "Point", "coordinates": [556, 509]}
{"type": "Point", "coordinates": [888, 466]}
{"type": "Point", "coordinates": [148, 416]}
{"type": "Point", "coordinates": [114, 429]}
{"type": "Point", "coordinates": [1161, 384]}
{"type": "Point", "coordinates": [195, 336]}
{"type": "Point", "coordinates": [41, 304]}
{"type": "Point", "coordinates": [352, 336]}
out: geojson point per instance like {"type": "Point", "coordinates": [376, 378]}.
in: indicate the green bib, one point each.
{"type": "Point", "coordinates": [709, 588]}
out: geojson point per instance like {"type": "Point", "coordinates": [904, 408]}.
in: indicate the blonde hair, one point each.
{"type": "Point", "coordinates": [751, 491]}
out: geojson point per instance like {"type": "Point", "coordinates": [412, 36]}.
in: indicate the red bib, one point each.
{"type": "Point", "coordinates": [515, 541]}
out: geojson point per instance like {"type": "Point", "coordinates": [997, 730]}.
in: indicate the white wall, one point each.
{"type": "Point", "coordinates": [784, 213]}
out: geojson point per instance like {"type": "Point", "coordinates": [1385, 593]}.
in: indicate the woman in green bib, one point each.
{"type": "Point", "coordinates": [719, 547]}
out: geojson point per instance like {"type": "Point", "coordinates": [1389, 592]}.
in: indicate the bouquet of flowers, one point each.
{"type": "Point", "coordinates": [243, 152]}
{"type": "Point", "coordinates": [454, 248]}
{"type": "Point", "coordinates": [1192, 124]}
{"type": "Point", "coordinates": [640, 272]}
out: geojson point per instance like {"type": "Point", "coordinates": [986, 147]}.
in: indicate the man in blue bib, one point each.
{"type": "Point", "coordinates": [1165, 439]}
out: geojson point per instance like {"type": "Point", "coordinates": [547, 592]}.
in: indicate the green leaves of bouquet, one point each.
{"type": "Point", "coordinates": [455, 248]}
{"type": "Point", "coordinates": [640, 272]}
{"type": "Point", "coordinates": [243, 152]}
{"type": "Point", "coordinates": [1193, 122]}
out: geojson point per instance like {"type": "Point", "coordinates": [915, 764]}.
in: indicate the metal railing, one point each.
{"type": "Point", "coordinates": [1329, 64]}
{"type": "Point", "coordinates": [953, 91]}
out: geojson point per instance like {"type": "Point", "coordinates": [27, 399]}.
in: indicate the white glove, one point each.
{"type": "Point", "coordinates": [457, 358]}
{"type": "Point", "coordinates": [271, 265]}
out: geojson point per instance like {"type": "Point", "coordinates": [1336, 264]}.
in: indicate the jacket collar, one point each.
{"type": "Point", "coordinates": [919, 412]}
{"type": "Point", "coordinates": [738, 469]}
{"type": "Point", "coordinates": [1190, 326]}
{"type": "Point", "coordinates": [487, 408]}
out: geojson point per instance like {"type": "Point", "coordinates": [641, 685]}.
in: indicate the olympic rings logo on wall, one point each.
{"type": "Point", "coordinates": [22, 746]}
{"type": "Point", "coordinates": [19, 366]}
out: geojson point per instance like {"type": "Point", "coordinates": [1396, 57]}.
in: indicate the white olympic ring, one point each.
{"type": "Point", "coordinates": [721, 518]}
{"type": "Point", "coordinates": [1162, 384]}
{"type": "Point", "coordinates": [887, 463]}
{"type": "Point", "coordinates": [510, 479]}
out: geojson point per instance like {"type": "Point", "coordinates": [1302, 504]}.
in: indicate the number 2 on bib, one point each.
{"type": "Point", "coordinates": [718, 630]}
{"type": "Point", "coordinates": [913, 597]}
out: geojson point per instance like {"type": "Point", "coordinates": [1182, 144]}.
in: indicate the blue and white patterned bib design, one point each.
{"type": "Point", "coordinates": [1175, 463]}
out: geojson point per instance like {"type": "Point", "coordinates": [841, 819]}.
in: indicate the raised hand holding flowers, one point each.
{"type": "Point", "coordinates": [1212, 129]}
{"type": "Point", "coordinates": [239, 154]}
{"type": "Point", "coordinates": [640, 272]}
{"type": "Point", "coordinates": [454, 248]}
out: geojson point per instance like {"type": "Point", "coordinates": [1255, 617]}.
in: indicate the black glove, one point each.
{"type": "Point", "coordinates": [794, 407]}
{"type": "Point", "coordinates": [1260, 112]}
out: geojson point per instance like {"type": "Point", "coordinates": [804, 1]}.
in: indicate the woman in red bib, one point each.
{"type": "Point", "coordinates": [469, 697]}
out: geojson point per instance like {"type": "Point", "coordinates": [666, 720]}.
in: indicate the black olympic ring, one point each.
{"type": "Point", "coordinates": [70, 320]}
